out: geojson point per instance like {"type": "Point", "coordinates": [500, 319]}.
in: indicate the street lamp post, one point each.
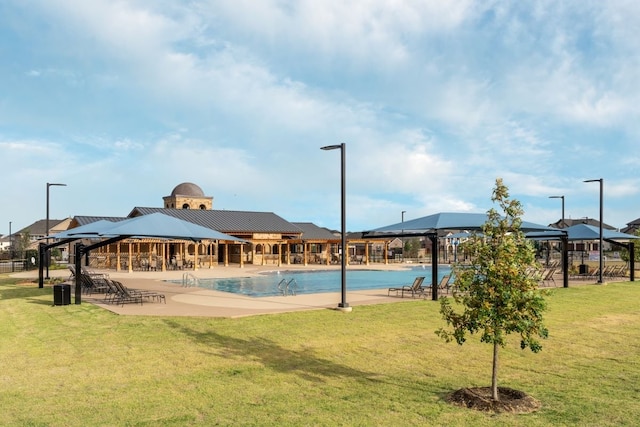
{"type": "Point", "coordinates": [48, 256]}
{"type": "Point", "coordinates": [343, 305]}
{"type": "Point", "coordinates": [560, 197]}
{"type": "Point", "coordinates": [601, 181]}
{"type": "Point", "coordinates": [402, 238]}
{"type": "Point", "coordinates": [10, 247]}
{"type": "Point", "coordinates": [565, 261]}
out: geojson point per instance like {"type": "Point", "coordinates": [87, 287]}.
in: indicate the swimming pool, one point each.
{"type": "Point", "coordinates": [319, 281]}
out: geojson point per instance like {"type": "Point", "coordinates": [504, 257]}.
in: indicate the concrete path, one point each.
{"type": "Point", "coordinates": [183, 301]}
{"type": "Point", "coordinates": [192, 301]}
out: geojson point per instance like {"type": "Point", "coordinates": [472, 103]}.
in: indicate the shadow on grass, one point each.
{"type": "Point", "coordinates": [303, 363]}
{"type": "Point", "coordinates": [13, 292]}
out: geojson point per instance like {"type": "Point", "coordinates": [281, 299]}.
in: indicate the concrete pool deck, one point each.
{"type": "Point", "coordinates": [192, 301]}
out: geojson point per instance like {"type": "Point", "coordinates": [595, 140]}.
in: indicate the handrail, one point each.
{"type": "Point", "coordinates": [287, 287]}
{"type": "Point", "coordinates": [292, 286]}
{"type": "Point", "coordinates": [188, 280]}
{"type": "Point", "coordinates": [282, 287]}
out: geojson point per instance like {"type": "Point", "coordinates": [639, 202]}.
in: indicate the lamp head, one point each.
{"type": "Point", "coordinates": [331, 147]}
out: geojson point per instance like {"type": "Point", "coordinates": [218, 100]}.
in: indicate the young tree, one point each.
{"type": "Point", "coordinates": [411, 248]}
{"type": "Point", "coordinates": [624, 253]}
{"type": "Point", "coordinates": [22, 243]}
{"type": "Point", "coordinates": [497, 295]}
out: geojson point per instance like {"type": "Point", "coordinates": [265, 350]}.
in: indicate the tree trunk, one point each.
{"type": "Point", "coordinates": [494, 376]}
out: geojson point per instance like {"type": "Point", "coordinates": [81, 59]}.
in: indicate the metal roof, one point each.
{"type": "Point", "coordinates": [451, 221]}
{"type": "Point", "coordinates": [79, 221]}
{"type": "Point", "coordinates": [160, 225]}
{"type": "Point", "coordinates": [39, 228]}
{"type": "Point", "coordinates": [584, 232]}
{"type": "Point", "coordinates": [310, 231]}
{"type": "Point", "coordinates": [230, 222]}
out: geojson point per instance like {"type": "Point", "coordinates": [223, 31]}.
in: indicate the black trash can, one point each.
{"type": "Point", "coordinates": [584, 269]}
{"type": "Point", "coordinates": [62, 294]}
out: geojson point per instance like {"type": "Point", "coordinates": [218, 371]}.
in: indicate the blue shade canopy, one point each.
{"type": "Point", "coordinates": [589, 232]}
{"type": "Point", "coordinates": [450, 221]}
{"type": "Point", "coordinates": [86, 231]}
{"type": "Point", "coordinates": [163, 226]}
{"type": "Point", "coordinates": [581, 232]}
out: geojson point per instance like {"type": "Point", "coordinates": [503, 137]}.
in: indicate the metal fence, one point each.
{"type": "Point", "coordinates": [13, 266]}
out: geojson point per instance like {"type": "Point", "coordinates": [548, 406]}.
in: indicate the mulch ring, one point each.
{"type": "Point", "coordinates": [479, 398]}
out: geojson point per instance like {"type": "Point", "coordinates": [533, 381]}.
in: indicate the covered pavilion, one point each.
{"type": "Point", "coordinates": [155, 225]}
{"type": "Point", "coordinates": [437, 225]}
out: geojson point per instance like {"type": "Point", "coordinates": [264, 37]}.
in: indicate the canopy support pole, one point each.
{"type": "Point", "coordinates": [565, 260]}
{"type": "Point", "coordinates": [434, 265]}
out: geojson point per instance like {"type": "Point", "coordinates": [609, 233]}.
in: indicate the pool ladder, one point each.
{"type": "Point", "coordinates": [189, 280]}
{"type": "Point", "coordinates": [288, 287]}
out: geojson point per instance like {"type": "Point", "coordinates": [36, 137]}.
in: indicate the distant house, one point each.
{"type": "Point", "coordinates": [589, 221]}
{"type": "Point", "coordinates": [38, 230]}
{"type": "Point", "coordinates": [632, 227]}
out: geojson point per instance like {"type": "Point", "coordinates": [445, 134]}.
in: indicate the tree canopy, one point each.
{"type": "Point", "coordinates": [496, 291]}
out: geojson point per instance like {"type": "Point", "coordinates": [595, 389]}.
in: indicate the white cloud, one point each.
{"type": "Point", "coordinates": [434, 99]}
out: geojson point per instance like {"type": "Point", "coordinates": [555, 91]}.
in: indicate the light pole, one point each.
{"type": "Point", "coordinates": [10, 247]}
{"type": "Point", "coordinates": [343, 305]}
{"type": "Point", "coordinates": [601, 181]}
{"type": "Point", "coordinates": [402, 238]}
{"type": "Point", "coordinates": [47, 257]}
{"type": "Point", "coordinates": [560, 197]}
{"type": "Point", "coordinates": [563, 225]}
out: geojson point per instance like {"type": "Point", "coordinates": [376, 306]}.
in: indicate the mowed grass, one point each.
{"type": "Point", "coordinates": [383, 365]}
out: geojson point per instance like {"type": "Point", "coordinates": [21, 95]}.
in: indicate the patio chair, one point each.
{"type": "Point", "coordinates": [415, 288]}
{"type": "Point", "coordinates": [124, 295]}
{"type": "Point", "coordinates": [131, 292]}
{"type": "Point", "coordinates": [91, 273]}
{"type": "Point", "coordinates": [93, 284]}
{"type": "Point", "coordinates": [547, 277]}
{"type": "Point", "coordinates": [445, 283]}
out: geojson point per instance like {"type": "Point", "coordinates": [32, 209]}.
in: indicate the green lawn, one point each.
{"type": "Point", "coordinates": [379, 365]}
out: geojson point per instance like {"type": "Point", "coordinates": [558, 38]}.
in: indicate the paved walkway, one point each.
{"type": "Point", "coordinates": [192, 301]}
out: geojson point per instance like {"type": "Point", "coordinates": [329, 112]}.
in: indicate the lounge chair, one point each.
{"type": "Point", "coordinates": [130, 292]}
{"type": "Point", "coordinates": [445, 283]}
{"type": "Point", "coordinates": [123, 294]}
{"type": "Point", "coordinates": [88, 272]}
{"type": "Point", "coordinates": [547, 277]}
{"type": "Point", "coordinates": [415, 288]}
{"type": "Point", "coordinates": [93, 284]}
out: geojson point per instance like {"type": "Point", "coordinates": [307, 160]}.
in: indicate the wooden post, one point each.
{"type": "Point", "coordinates": [130, 258]}
{"type": "Point", "coordinates": [164, 257]}
{"type": "Point", "coordinates": [118, 260]}
{"type": "Point", "coordinates": [305, 253]}
{"type": "Point", "coordinates": [366, 253]}
{"type": "Point", "coordinates": [386, 251]}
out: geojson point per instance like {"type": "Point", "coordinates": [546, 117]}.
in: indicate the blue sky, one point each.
{"type": "Point", "coordinates": [123, 100]}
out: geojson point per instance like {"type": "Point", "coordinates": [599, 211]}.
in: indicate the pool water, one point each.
{"type": "Point", "coordinates": [319, 281]}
